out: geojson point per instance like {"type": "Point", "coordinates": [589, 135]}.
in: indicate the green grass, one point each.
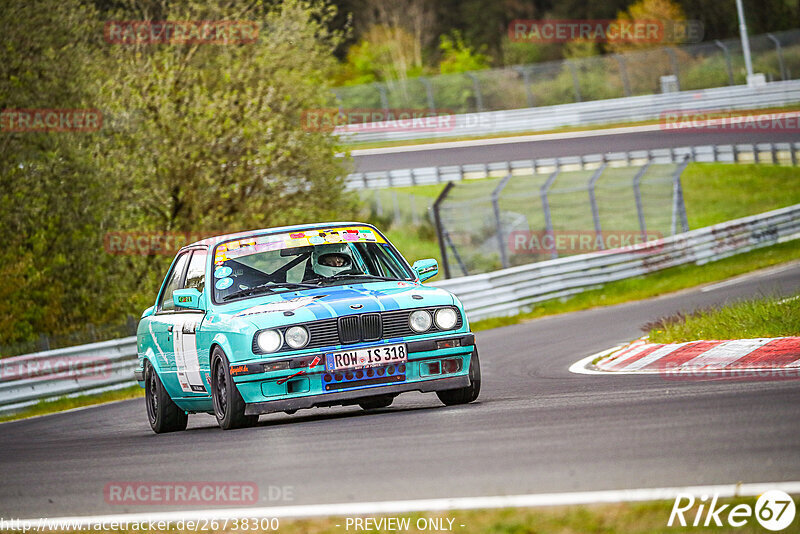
{"type": "Point", "coordinates": [659, 283]}
{"type": "Point", "coordinates": [718, 192]}
{"type": "Point", "coordinates": [68, 403]}
{"type": "Point", "coordinates": [753, 318]}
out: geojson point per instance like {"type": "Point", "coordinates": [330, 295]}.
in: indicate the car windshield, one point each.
{"type": "Point", "coordinates": [314, 258]}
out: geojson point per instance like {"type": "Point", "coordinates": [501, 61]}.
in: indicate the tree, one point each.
{"type": "Point", "coordinates": [198, 138]}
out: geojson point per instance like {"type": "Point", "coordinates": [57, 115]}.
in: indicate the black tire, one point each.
{"type": "Point", "coordinates": [467, 394]}
{"type": "Point", "coordinates": [163, 414]}
{"type": "Point", "coordinates": [375, 403]}
{"type": "Point", "coordinates": [228, 403]}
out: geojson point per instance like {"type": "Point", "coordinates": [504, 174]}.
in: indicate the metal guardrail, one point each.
{"type": "Point", "coordinates": [516, 289]}
{"type": "Point", "coordinates": [626, 109]}
{"type": "Point", "coordinates": [24, 380]}
{"type": "Point", "coordinates": [775, 153]}
{"type": "Point", "coordinates": [79, 370]}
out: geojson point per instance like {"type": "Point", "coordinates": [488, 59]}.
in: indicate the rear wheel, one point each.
{"type": "Point", "coordinates": [466, 394]}
{"type": "Point", "coordinates": [375, 403]}
{"type": "Point", "coordinates": [228, 403]}
{"type": "Point", "coordinates": [163, 414]}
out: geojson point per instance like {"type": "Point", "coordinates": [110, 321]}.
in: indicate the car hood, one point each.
{"type": "Point", "coordinates": [290, 307]}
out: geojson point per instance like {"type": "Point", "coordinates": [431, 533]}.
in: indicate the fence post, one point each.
{"type": "Point", "coordinates": [476, 89]}
{"type": "Point", "coordinates": [548, 221]}
{"type": "Point", "coordinates": [440, 233]}
{"type": "Point", "coordinates": [623, 74]}
{"type": "Point", "coordinates": [132, 324]}
{"type": "Point", "coordinates": [525, 72]}
{"type": "Point", "coordinates": [575, 83]}
{"type": "Point", "coordinates": [44, 342]}
{"type": "Point", "coordinates": [637, 193]}
{"type": "Point", "coordinates": [384, 97]}
{"type": "Point", "coordinates": [455, 253]}
{"type": "Point", "coordinates": [396, 207]}
{"type": "Point", "coordinates": [727, 53]}
{"type": "Point", "coordinates": [674, 61]}
{"type": "Point", "coordinates": [779, 50]}
{"type": "Point", "coordinates": [496, 207]}
{"type": "Point", "coordinates": [793, 152]}
{"type": "Point", "coordinates": [593, 201]}
{"type": "Point", "coordinates": [429, 91]}
{"type": "Point", "coordinates": [678, 206]}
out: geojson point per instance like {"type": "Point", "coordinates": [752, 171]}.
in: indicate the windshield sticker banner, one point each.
{"type": "Point", "coordinates": [266, 243]}
{"type": "Point", "coordinates": [280, 306]}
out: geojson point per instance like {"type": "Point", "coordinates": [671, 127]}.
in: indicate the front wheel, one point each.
{"type": "Point", "coordinates": [467, 394]}
{"type": "Point", "coordinates": [163, 414]}
{"type": "Point", "coordinates": [228, 403]}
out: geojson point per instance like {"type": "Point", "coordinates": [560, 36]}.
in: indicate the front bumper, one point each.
{"type": "Point", "coordinates": [342, 397]}
{"type": "Point", "coordinates": [434, 364]}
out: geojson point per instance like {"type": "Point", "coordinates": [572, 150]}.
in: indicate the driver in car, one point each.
{"type": "Point", "coordinates": [330, 260]}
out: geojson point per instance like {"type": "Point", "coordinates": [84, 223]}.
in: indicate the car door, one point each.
{"type": "Point", "coordinates": [191, 361]}
{"type": "Point", "coordinates": [174, 329]}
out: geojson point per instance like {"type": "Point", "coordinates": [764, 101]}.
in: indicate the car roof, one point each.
{"type": "Point", "coordinates": [210, 241]}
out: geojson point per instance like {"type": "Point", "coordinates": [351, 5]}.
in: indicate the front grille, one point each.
{"type": "Point", "coordinates": [350, 329]}
{"type": "Point", "coordinates": [371, 327]}
{"type": "Point", "coordinates": [395, 324]}
{"type": "Point", "coordinates": [356, 328]}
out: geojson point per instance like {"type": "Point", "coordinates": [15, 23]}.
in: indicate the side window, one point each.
{"type": "Point", "coordinates": [173, 283]}
{"type": "Point", "coordinates": [196, 274]}
{"type": "Point", "coordinates": [389, 264]}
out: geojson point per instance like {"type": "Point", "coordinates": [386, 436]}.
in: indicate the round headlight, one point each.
{"type": "Point", "coordinates": [446, 318]}
{"type": "Point", "coordinates": [269, 340]}
{"type": "Point", "coordinates": [420, 321]}
{"type": "Point", "coordinates": [296, 337]}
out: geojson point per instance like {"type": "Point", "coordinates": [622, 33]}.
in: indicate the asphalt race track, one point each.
{"type": "Point", "coordinates": [535, 428]}
{"type": "Point", "coordinates": [429, 155]}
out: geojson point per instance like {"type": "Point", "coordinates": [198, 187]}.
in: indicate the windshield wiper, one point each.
{"type": "Point", "coordinates": [266, 288]}
{"type": "Point", "coordinates": [359, 275]}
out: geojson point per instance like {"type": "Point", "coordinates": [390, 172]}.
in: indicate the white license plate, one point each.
{"type": "Point", "coordinates": [369, 357]}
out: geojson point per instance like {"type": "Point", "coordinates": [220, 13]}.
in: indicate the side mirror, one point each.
{"type": "Point", "coordinates": [148, 312]}
{"type": "Point", "coordinates": [426, 269]}
{"type": "Point", "coordinates": [187, 298]}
